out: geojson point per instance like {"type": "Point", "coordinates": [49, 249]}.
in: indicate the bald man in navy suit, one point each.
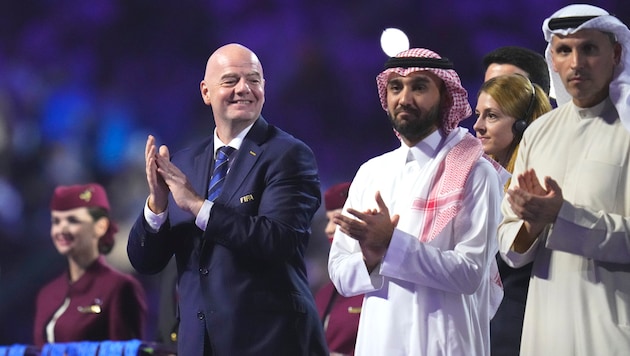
{"type": "Point", "coordinates": [240, 258]}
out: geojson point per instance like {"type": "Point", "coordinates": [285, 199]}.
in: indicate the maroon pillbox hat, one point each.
{"type": "Point", "coordinates": [335, 197]}
{"type": "Point", "coordinates": [86, 196]}
{"type": "Point", "coordinates": [77, 196]}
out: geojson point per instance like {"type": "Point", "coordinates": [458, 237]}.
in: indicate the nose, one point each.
{"type": "Point", "coordinates": [242, 87]}
{"type": "Point", "coordinates": [63, 227]}
{"type": "Point", "coordinates": [405, 97]}
{"type": "Point", "coordinates": [58, 227]}
{"type": "Point", "coordinates": [479, 125]}
{"type": "Point", "coordinates": [576, 59]}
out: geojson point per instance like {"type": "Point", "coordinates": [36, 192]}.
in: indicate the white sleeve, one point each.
{"type": "Point", "coordinates": [457, 259]}
{"type": "Point", "coordinates": [155, 221]}
{"type": "Point", "coordinates": [346, 267]}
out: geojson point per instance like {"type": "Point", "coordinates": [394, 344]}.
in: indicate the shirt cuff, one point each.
{"type": "Point", "coordinates": [394, 257]}
{"type": "Point", "coordinates": [508, 233]}
{"type": "Point", "coordinates": [569, 229]}
{"type": "Point", "coordinates": [204, 215]}
{"type": "Point", "coordinates": [516, 260]}
{"type": "Point", "coordinates": [155, 221]}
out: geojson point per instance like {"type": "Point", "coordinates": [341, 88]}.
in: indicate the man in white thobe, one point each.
{"type": "Point", "coordinates": [418, 232]}
{"type": "Point", "coordinates": [574, 224]}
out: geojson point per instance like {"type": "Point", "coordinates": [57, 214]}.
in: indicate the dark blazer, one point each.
{"type": "Point", "coordinates": [105, 304]}
{"type": "Point", "coordinates": [242, 282]}
{"type": "Point", "coordinates": [168, 315]}
{"type": "Point", "coordinates": [506, 326]}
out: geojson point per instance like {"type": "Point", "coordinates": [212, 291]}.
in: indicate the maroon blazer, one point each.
{"type": "Point", "coordinates": [340, 317]}
{"type": "Point", "coordinates": [104, 305]}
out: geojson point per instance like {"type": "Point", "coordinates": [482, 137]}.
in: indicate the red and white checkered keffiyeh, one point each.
{"type": "Point", "coordinates": [459, 109]}
{"type": "Point", "coordinates": [446, 188]}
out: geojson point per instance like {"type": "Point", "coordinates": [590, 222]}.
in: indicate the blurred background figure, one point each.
{"type": "Point", "coordinates": [520, 60]}
{"type": "Point", "coordinates": [506, 105]}
{"type": "Point", "coordinates": [90, 300]}
{"type": "Point", "coordinates": [339, 314]}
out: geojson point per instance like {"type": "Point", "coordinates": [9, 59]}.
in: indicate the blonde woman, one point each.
{"type": "Point", "coordinates": [506, 105]}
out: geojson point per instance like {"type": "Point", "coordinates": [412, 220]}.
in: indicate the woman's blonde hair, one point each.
{"type": "Point", "coordinates": [513, 93]}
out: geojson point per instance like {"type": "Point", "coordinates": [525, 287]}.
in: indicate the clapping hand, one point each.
{"type": "Point", "coordinates": [373, 229]}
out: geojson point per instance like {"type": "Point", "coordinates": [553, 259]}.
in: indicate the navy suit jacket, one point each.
{"type": "Point", "coordinates": [242, 282]}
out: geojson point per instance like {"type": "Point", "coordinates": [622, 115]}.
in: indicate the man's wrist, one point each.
{"type": "Point", "coordinates": [156, 208]}
{"type": "Point", "coordinates": [526, 237]}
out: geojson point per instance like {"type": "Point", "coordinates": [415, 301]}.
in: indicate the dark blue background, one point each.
{"type": "Point", "coordinates": [82, 83]}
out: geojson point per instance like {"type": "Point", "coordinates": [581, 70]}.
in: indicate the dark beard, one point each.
{"type": "Point", "coordinates": [417, 129]}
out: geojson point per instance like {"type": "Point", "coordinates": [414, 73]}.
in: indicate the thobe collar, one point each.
{"type": "Point", "coordinates": [426, 149]}
{"type": "Point", "coordinates": [604, 109]}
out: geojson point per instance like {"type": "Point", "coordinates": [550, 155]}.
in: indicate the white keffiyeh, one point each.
{"type": "Point", "coordinates": [603, 21]}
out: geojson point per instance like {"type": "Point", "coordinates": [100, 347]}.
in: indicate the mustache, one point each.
{"type": "Point", "coordinates": [577, 75]}
{"type": "Point", "coordinates": [407, 110]}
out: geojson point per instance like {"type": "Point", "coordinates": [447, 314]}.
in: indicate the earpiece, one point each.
{"type": "Point", "coordinates": [519, 127]}
{"type": "Point", "coordinates": [521, 124]}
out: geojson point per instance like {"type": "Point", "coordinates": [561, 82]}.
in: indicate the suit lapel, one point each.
{"type": "Point", "coordinates": [245, 160]}
{"type": "Point", "coordinates": [201, 170]}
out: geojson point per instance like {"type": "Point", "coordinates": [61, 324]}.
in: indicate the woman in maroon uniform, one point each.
{"type": "Point", "coordinates": [339, 314]}
{"type": "Point", "coordinates": [90, 300]}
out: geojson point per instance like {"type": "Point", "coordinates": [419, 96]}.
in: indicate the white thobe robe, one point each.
{"type": "Point", "coordinates": [424, 298]}
{"type": "Point", "coordinates": [579, 293]}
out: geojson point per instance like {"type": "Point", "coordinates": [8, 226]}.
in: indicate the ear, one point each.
{"type": "Point", "coordinates": [100, 226]}
{"type": "Point", "coordinates": [205, 95]}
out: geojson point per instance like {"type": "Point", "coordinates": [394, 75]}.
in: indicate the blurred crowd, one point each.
{"type": "Point", "coordinates": [82, 84]}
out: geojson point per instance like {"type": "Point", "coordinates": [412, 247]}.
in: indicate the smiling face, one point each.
{"type": "Point", "coordinates": [75, 233]}
{"type": "Point", "coordinates": [234, 86]}
{"type": "Point", "coordinates": [585, 62]}
{"type": "Point", "coordinates": [493, 127]}
{"type": "Point", "coordinates": [413, 103]}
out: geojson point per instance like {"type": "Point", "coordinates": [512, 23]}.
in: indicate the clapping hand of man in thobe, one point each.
{"type": "Point", "coordinates": [537, 206]}
{"type": "Point", "coordinates": [373, 229]}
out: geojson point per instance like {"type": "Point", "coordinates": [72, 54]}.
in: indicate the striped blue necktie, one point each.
{"type": "Point", "coordinates": [219, 172]}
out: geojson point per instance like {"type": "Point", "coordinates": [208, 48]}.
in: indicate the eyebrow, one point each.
{"type": "Point", "coordinates": [236, 75]}
{"type": "Point", "coordinates": [73, 218]}
{"type": "Point", "coordinates": [414, 79]}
